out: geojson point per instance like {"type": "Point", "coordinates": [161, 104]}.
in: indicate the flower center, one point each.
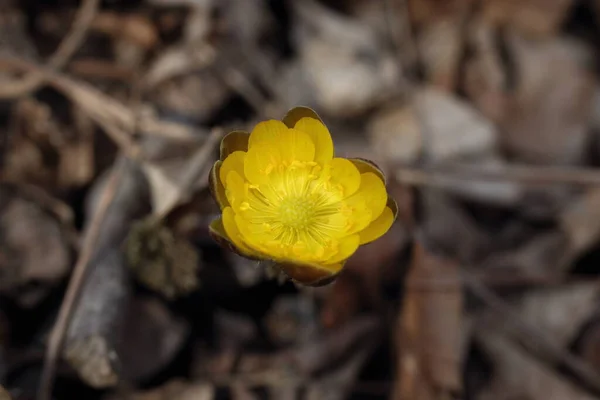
{"type": "Point", "coordinates": [297, 212]}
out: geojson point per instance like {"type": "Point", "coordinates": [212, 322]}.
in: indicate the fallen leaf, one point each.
{"type": "Point", "coordinates": [429, 330]}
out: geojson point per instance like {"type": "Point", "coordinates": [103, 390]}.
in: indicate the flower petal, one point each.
{"type": "Point", "coordinates": [264, 157]}
{"type": "Point", "coordinates": [377, 228]}
{"type": "Point", "coordinates": [232, 142]}
{"type": "Point", "coordinates": [233, 162]}
{"type": "Point", "coordinates": [310, 274]}
{"type": "Point", "coordinates": [297, 113]}
{"type": "Point", "coordinates": [339, 174]}
{"type": "Point", "coordinates": [320, 136]}
{"type": "Point", "coordinates": [373, 190]}
{"type": "Point", "coordinates": [219, 234]}
{"type": "Point", "coordinates": [346, 247]}
{"type": "Point", "coordinates": [217, 190]}
{"type": "Point", "coordinates": [364, 166]}
{"type": "Point", "coordinates": [235, 189]}
{"type": "Point", "coordinates": [266, 131]}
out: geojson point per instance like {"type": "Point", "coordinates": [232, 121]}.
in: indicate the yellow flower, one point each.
{"type": "Point", "coordinates": [285, 197]}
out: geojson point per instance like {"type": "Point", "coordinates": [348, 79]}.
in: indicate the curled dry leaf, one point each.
{"type": "Point", "coordinates": [429, 332]}
{"type": "Point", "coordinates": [176, 170]}
{"type": "Point", "coordinates": [348, 68]}
{"type": "Point", "coordinates": [547, 114]}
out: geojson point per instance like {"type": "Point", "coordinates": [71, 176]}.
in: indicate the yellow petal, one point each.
{"type": "Point", "coordinates": [373, 189]}
{"type": "Point", "coordinates": [346, 247]}
{"type": "Point", "coordinates": [233, 233]}
{"type": "Point", "coordinates": [264, 158]}
{"type": "Point", "coordinates": [297, 113]}
{"type": "Point", "coordinates": [320, 136]}
{"type": "Point", "coordinates": [355, 214]}
{"type": "Point", "coordinates": [233, 162]}
{"type": "Point", "coordinates": [222, 237]}
{"type": "Point", "coordinates": [235, 189]}
{"type": "Point", "coordinates": [266, 131]}
{"type": "Point", "coordinates": [216, 186]}
{"type": "Point", "coordinates": [258, 236]}
{"type": "Point", "coordinates": [234, 141]}
{"type": "Point", "coordinates": [342, 176]}
{"type": "Point", "coordinates": [365, 166]}
{"type": "Point", "coordinates": [377, 228]}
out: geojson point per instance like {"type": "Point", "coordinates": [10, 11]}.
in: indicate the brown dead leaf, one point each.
{"type": "Point", "coordinates": [437, 125]}
{"type": "Point", "coordinates": [440, 48]}
{"type": "Point", "coordinates": [345, 63]}
{"type": "Point", "coordinates": [175, 170]}
{"type": "Point", "coordinates": [429, 330]}
{"type": "Point", "coordinates": [519, 376]}
{"type": "Point", "coordinates": [548, 113]}
{"type": "Point", "coordinates": [535, 18]}
{"type": "Point", "coordinates": [359, 287]}
{"type": "Point", "coordinates": [485, 76]}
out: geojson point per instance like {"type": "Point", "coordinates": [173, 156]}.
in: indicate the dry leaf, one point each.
{"type": "Point", "coordinates": [519, 376]}
{"type": "Point", "coordinates": [346, 65]}
{"type": "Point", "coordinates": [4, 395]}
{"type": "Point", "coordinates": [535, 18]}
{"type": "Point", "coordinates": [440, 48]}
{"type": "Point", "coordinates": [559, 312]}
{"type": "Point", "coordinates": [548, 113]}
{"type": "Point", "coordinates": [430, 330]}
{"type": "Point", "coordinates": [485, 75]}
{"type": "Point", "coordinates": [173, 390]}
{"type": "Point", "coordinates": [581, 221]}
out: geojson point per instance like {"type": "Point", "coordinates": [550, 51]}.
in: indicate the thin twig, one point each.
{"type": "Point", "coordinates": [66, 49]}
{"type": "Point", "coordinates": [532, 175]}
{"type": "Point", "coordinates": [57, 335]}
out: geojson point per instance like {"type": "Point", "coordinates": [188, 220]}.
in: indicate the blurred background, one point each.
{"type": "Point", "coordinates": [484, 115]}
